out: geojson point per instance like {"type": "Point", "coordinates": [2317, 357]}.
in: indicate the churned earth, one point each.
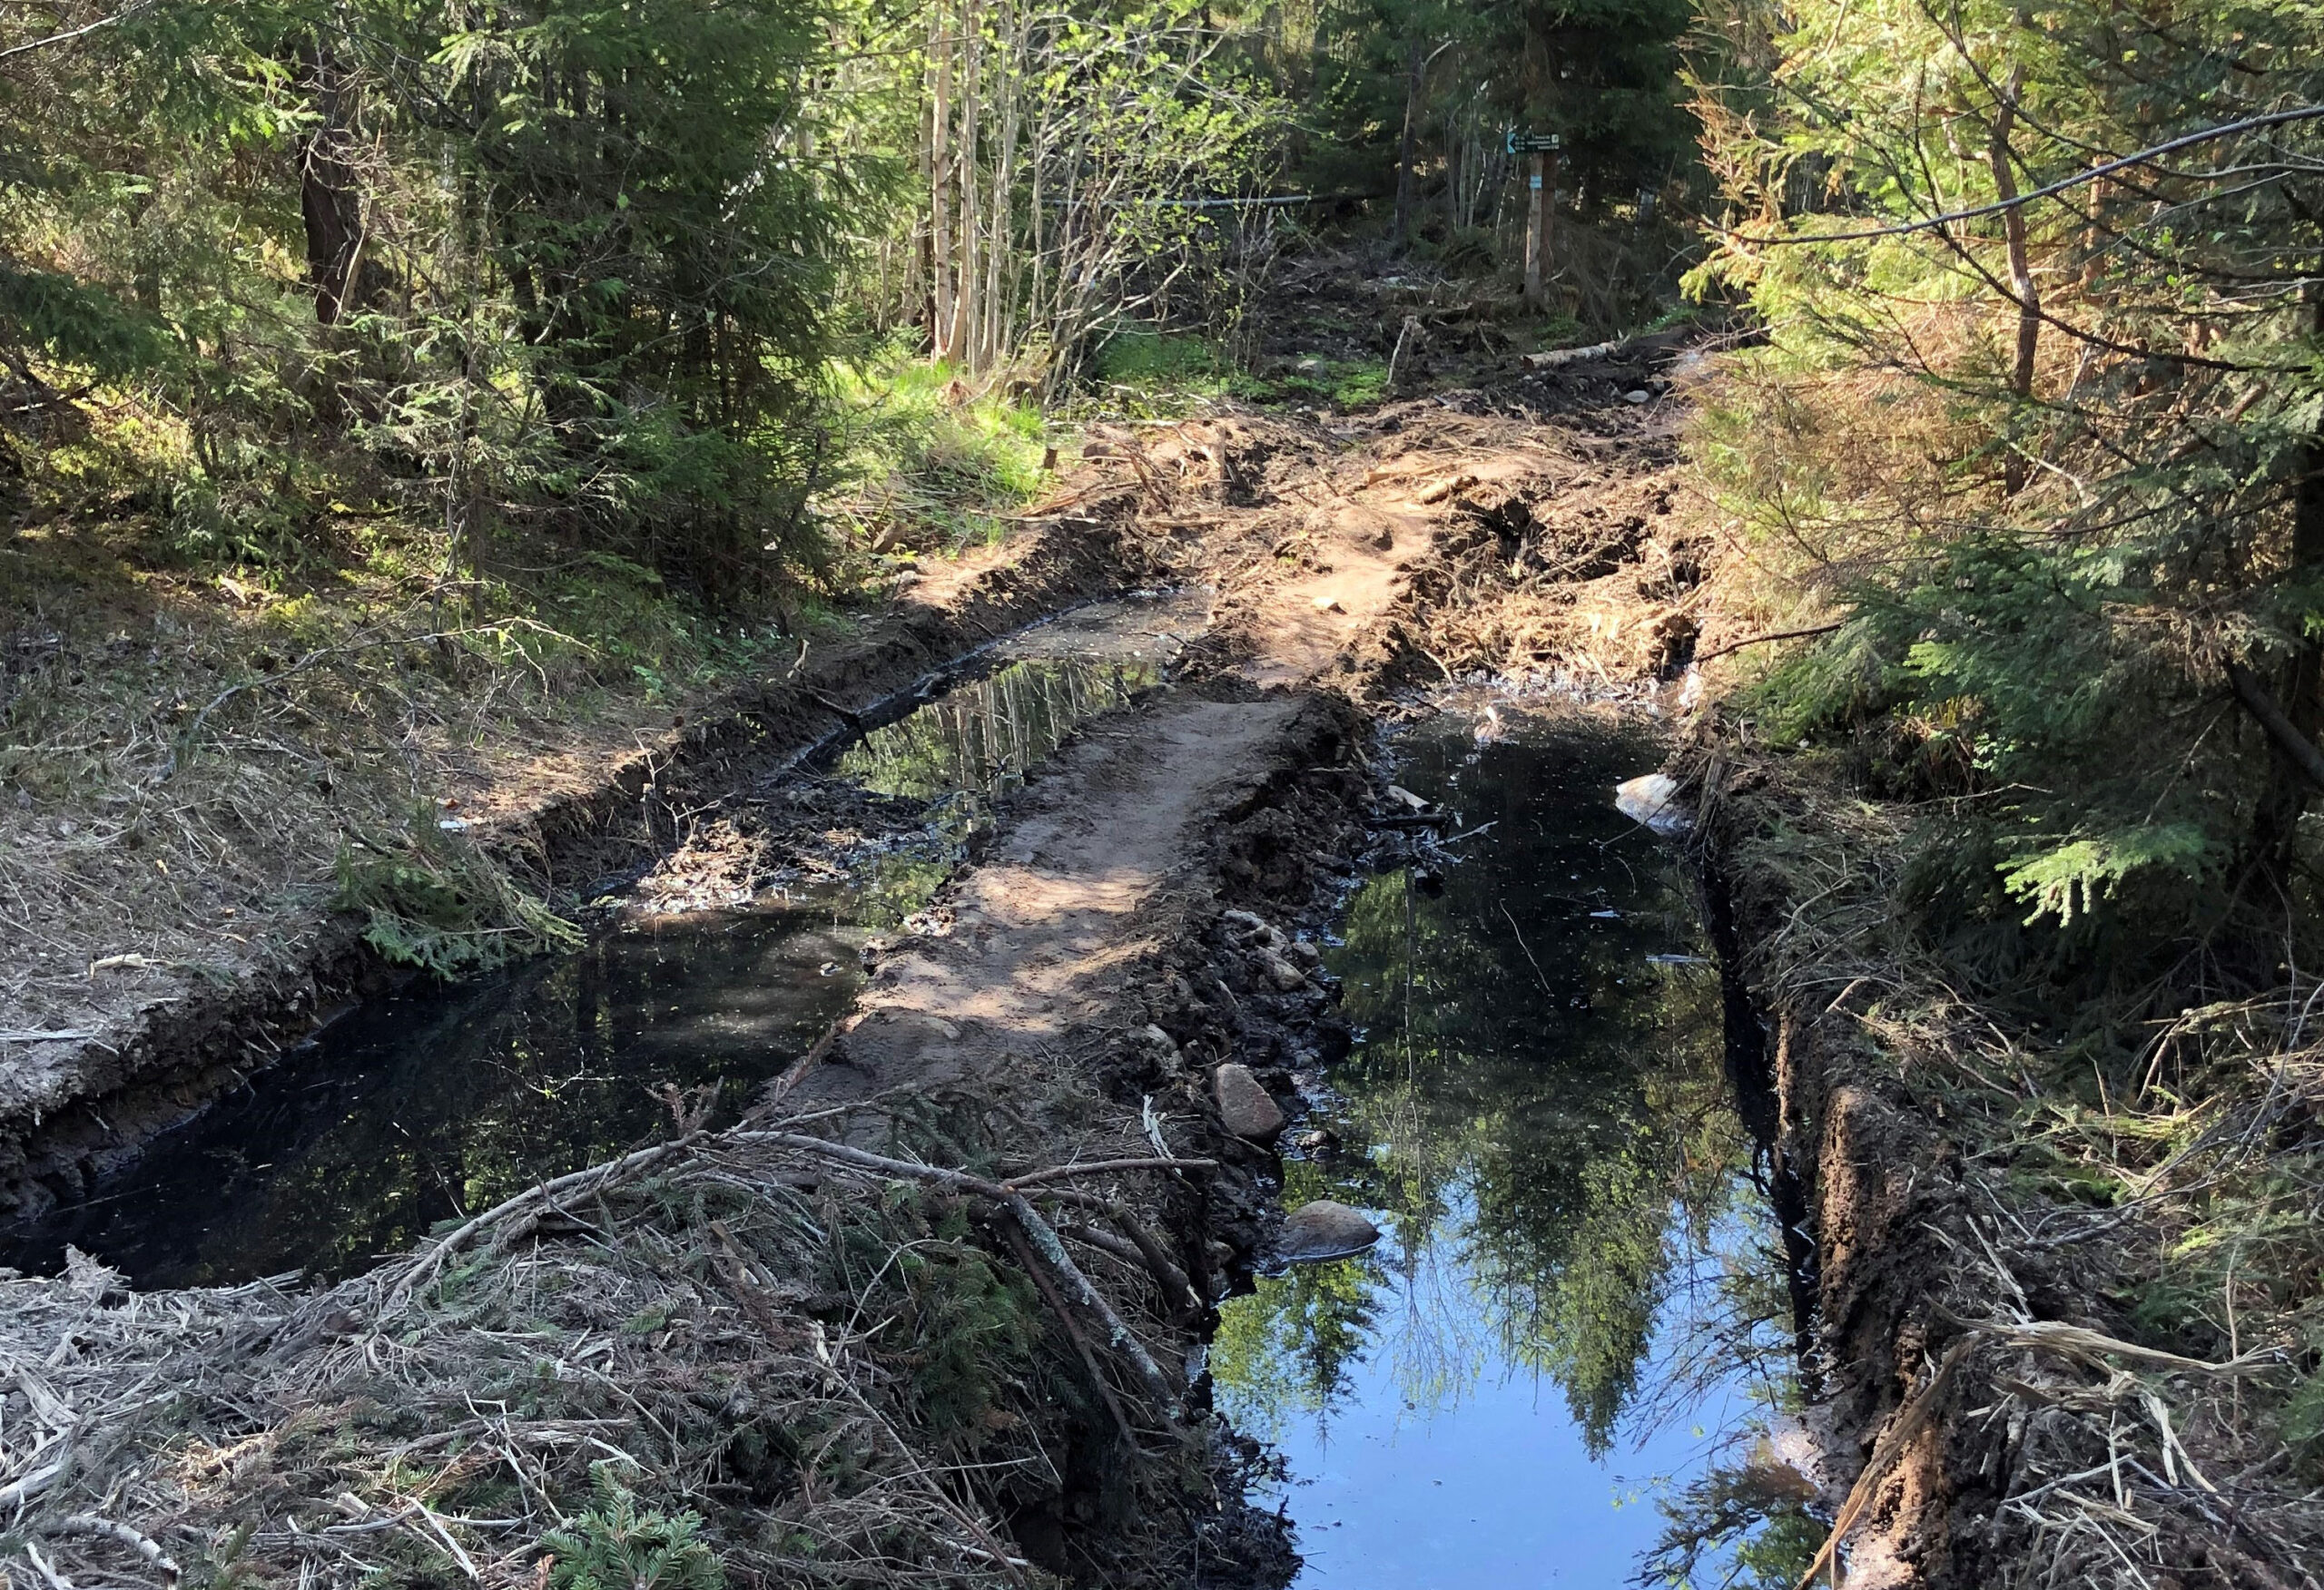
{"type": "Point", "coordinates": [922, 1313]}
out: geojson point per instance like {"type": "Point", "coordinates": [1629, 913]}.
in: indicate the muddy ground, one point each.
{"type": "Point", "coordinates": [923, 1315]}
{"type": "Point", "coordinates": [900, 1325]}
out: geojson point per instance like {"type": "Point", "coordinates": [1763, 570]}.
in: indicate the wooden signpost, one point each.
{"type": "Point", "coordinates": [1543, 183]}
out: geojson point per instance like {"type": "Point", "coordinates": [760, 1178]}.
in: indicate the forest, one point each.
{"type": "Point", "coordinates": [410, 412]}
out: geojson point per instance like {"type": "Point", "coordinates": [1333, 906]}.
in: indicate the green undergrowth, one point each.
{"type": "Point", "coordinates": [203, 734]}
{"type": "Point", "coordinates": [1151, 372]}
{"type": "Point", "coordinates": [929, 462]}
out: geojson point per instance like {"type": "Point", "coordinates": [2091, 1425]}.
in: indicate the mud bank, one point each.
{"type": "Point", "coordinates": [923, 1315]}
{"type": "Point", "coordinates": [71, 1110]}
{"type": "Point", "coordinates": [1877, 1212]}
{"type": "Point", "coordinates": [1994, 1405]}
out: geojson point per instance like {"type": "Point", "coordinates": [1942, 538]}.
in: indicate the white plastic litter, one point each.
{"type": "Point", "coordinates": [1652, 800]}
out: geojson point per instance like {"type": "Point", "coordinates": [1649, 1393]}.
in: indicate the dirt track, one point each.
{"type": "Point", "coordinates": [1067, 1004]}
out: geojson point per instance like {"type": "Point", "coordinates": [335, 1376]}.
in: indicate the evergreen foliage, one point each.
{"type": "Point", "coordinates": [428, 899]}
{"type": "Point", "coordinates": [616, 1545]}
{"type": "Point", "coordinates": [1436, 87]}
{"type": "Point", "coordinates": [2055, 459]}
{"type": "Point", "coordinates": [560, 264]}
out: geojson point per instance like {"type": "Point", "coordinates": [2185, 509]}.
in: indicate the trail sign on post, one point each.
{"type": "Point", "coordinates": [1542, 181]}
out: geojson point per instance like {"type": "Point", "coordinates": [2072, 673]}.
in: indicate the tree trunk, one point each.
{"type": "Point", "coordinates": [2300, 688]}
{"type": "Point", "coordinates": [2021, 269]}
{"type": "Point", "coordinates": [1454, 151]}
{"type": "Point", "coordinates": [331, 200]}
{"type": "Point", "coordinates": [939, 165]}
{"type": "Point", "coordinates": [1415, 72]}
{"type": "Point", "coordinates": [1540, 188]}
{"type": "Point", "coordinates": [999, 254]}
{"type": "Point", "coordinates": [965, 294]}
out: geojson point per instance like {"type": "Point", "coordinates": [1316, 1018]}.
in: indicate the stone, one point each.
{"type": "Point", "coordinates": [1323, 1229]}
{"type": "Point", "coordinates": [1152, 1044]}
{"type": "Point", "coordinates": [1319, 1141]}
{"type": "Point", "coordinates": [1638, 395]}
{"type": "Point", "coordinates": [1249, 1110]}
{"type": "Point", "coordinates": [1243, 927]}
{"type": "Point", "coordinates": [1277, 970]}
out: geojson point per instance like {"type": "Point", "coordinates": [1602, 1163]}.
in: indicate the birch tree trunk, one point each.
{"type": "Point", "coordinates": [998, 252]}
{"type": "Point", "coordinates": [940, 159]}
{"type": "Point", "coordinates": [964, 291]}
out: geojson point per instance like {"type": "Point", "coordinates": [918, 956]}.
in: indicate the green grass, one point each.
{"type": "Point", "coordinates": [1342, 383]}
{"type": "Point", "coordinates": [927, 462]}
{"type": "Point", "coordinates": [1157, 373]}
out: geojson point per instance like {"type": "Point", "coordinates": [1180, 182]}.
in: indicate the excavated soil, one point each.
{"type": "Point", "coordinates": [1063, 1004]}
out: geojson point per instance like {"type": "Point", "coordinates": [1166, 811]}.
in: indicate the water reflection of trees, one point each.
{"type": "Point", "coordinates": [449, 1099]}
{"type": "Point", "coordinates": [1542, 1105]}
{"type": "Point", "coordinates": [981, 737]}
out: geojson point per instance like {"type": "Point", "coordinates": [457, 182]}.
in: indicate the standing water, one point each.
{"type": "Point", "coordinates": [441, 1100]}
{"type": "Point", "coordinates": [1557, 1327]}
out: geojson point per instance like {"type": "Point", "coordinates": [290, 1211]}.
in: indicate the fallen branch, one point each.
{"type": "Point", "coordinates": [428, 1265]}
{"type": "Point", "coordinates": [89, 1524]}
{"type": "Point", "coordinates": [1080, 1343]}
{"type": "Point", "coordinates": [797, 1071]}
{"type": "Point", "coordinates": [2298, 747]}
{"type": "Point", "coordinates": [1142, 1247]}
{"type": "Point", "coordinates": [1557, 357]}
{"type": "Point", "coordinates": [1909, 1419]}
{"type": "Point", "coordinates": [1799, 634]}
{"type": "Point", "coordinates": [1106, 1167]}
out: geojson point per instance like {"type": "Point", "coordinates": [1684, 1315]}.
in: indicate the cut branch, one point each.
{"type": "Point", "coordinates": [2297, 748]}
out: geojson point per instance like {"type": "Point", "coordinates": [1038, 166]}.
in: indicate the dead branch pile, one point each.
{"type": "Point", "coordinates": [762, 1355]}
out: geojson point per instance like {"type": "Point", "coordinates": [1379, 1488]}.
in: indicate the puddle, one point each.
{"type": "Point", "coordinates": [442, 1100]}
{"type": "Point", "coordinates": [1551, 1340]}
{"type": "Point", "coordinates": [977, 742]}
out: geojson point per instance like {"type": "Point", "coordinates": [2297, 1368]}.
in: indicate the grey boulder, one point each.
{"type": "Point", "coordinates": [1247, 1109]}
{"type": "Point", "coordinates": [1325, 1230]}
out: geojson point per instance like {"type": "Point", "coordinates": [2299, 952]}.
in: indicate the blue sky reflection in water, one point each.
{"type": "Point", "coordinates": [1499, 1394]}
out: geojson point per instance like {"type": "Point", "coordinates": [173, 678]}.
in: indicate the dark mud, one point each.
{"type": "Point", "coordinates": [716, 971]}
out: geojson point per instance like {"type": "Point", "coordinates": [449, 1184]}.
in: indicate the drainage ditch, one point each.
{"type": "Point", "coordinates": [1574, 1331]}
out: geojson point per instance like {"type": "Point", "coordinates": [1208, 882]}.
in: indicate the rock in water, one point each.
{"type": "Point", "coordinates": [1325, 1230]}
{"type": "Point", "coordinates": [1652, 799]}
{"type": "Point", "coordinates": [1247, 1109]}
